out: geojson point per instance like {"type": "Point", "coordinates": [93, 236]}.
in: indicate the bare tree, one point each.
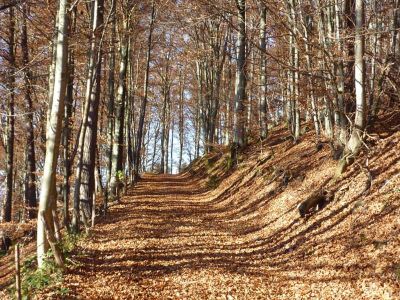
{"type": "Point", "coordinates": [240, 86]}
{"type": "Point", "coordinates": [7, 207]}
{"type": "Point", "coordinates": [45, 229]}
{"type": "Point", "coordinates": [30, 161]}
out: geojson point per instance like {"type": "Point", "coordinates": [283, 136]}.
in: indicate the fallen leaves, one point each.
{"type": "Point", "coordinates": [172, 239]}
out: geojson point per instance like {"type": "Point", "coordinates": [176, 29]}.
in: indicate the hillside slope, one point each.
{"type": "Point", "coordinates": [218, 233]}
{"type": "Point", "coordinates": [214, 233]}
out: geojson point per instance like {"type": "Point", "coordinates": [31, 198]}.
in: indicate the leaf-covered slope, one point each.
{"type": "Point", "coordinates": [217, 233]}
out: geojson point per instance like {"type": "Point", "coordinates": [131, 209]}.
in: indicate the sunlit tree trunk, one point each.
{"type": "Point", "coordinates": [119, 109]}
{"type": "Point", "coordinates": [328, 116]}
{"type": "Point", "coordinates": [53, 135]}
{"type": "Point", "coordinates": [354, 144]}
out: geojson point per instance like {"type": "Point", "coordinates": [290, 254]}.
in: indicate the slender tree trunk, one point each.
{"type": "Point", "coordinates": [156, 136]}
{"type": "Point", "coordinates": [373, 96]}
{"type": "Point", "coordinates": [181, 119]}
{"type": "Point", "coordinates": [199, 109]}
{"type": "Point", "coordinates": [349, 48]}
{"type": "Point", "coordinates": [395, 29]}
{"type": "Point", "coordinates": [263, 73]}
{"type": "Point", "coordinates": [30, 161]}
{"type": "Point", "coordinates": [166, 89]}
{"type": "Point", "coordinates": [240, 86]}
{"type": "Point", "coordinates": [110, 104]}
{"type": "Point", "coordinates": [87, 187]}
{"type": "Point", "coordinates": [53, 135]}
{"type": "Point", "coordinates": [323, 64]}
{"type": "Point", "coordinates": [354, 144]}
{"type": "Point", "coordinates": [7, 209]}
{"type": "Point", "coordinates": [295, 73]}
{"type": "Point", "coordinates": [312, 99]}
{"type": "Point", "coordinates": [342, 138]}
{"type": "Point", "coordinates": [118, 138]}
{"type": "Point", "coordinates": [172, 145]}
{"type": "Point", "coordinates": [67, 128]}
{"type": "Point", "coordinates": [84, 182]}
{"type": "Point", "coordinates": [143, 105]}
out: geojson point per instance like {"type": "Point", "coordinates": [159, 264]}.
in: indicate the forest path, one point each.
{"type": "Point", "coordinates": [166, 240]}
{"type": "Point", "coordinates": [171, 238]}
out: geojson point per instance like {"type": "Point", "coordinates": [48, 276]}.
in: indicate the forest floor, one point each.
{"type": "Point", "coordinates": [216, 233]}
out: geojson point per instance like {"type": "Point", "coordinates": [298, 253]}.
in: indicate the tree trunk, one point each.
{"type": "Point", "coordinates": [7, 208]}
{"type": "Point", "coordinates": [240, 86]}
{"type": "Point", "coordinates": [67, 128]}
{"type": "Point", "coordinates": [143, 105]}
{"type": "Point", "coordinates": [53, 135]}
{"type": "Point", "coordinates": [263, 71]}
{"type": "Point", "coordinates": [342, 138]}
{"type": "Point", "coordinates": [110, 104]}
{"type": "Point", "coordinates": [354, 143]}
{"type": "Point", "coordinates": [118, 136]}
{"type": "Point", "coordinates": [181, 119]}
{"type": "Point", "coordinates": [84, 182]}
{"type": "Point", "coordinates": [30, 161]}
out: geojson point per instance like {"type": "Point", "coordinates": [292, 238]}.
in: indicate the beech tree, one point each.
{"type": "Point", "coordinates": [30, 161]}
{"type": "Point", "coordinates": [85, 171]}
{"type": "Point", "coordinates": [145, 86]}
{"type": "Point", "coordinates": [356, 137]}
{"type": "Point", "coordinates": [45, 227]}
{"type": "Point", "coordinates": [10, 120]}
{"type": "Point", "coordinates": [240, 85]}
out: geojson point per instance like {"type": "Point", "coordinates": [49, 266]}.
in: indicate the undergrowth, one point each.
{"type": "Point", "coordinates": [34, 280]}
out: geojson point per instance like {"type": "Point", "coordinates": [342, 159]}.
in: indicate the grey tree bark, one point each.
{"type": "Point", "coordinates": [240, 85]}
{"type": "Point", "coordinates": [10, 123]}
{"type": "Point", "coordinates": [84, 182]}
{"type": "Point", "coordinates": [354, 143]}
{"type": "Point", "coordinates": [263, 71]}
{"type": "Point", "coordinates": [119, 109]}
{"type": "Point", "coordinates": [111, 100]}
{"type": "Point", "coordinates": [30, 161]}
{"type": "Point", "coordinates": [45, 229]}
